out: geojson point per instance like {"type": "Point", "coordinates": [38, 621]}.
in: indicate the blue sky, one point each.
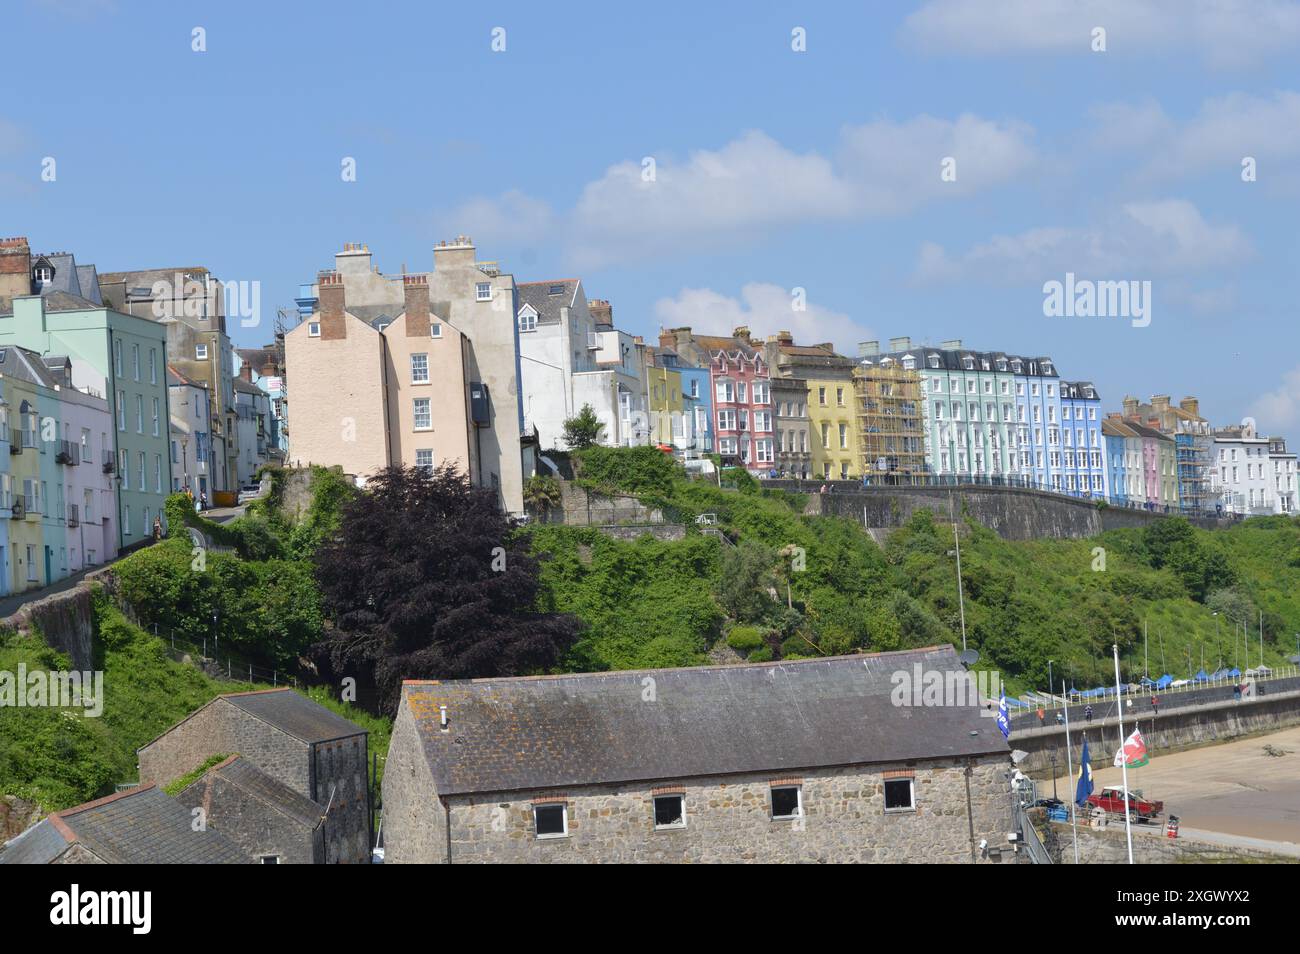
{"type": "Point", "coordinates": [774, 169]}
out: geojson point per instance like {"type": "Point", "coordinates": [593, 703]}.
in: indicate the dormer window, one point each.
{"type": "Point", "coordinates": [43, 274]}
{"type": "Point", "coordinates": [933, 360]}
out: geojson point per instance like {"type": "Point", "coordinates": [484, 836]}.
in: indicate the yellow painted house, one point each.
{"type": "Point", "coordinates": [832, 408]}
{"type": "Point", "coordinates": [664, 402]}
{"type": "Point", "coordinates": [21, 487]}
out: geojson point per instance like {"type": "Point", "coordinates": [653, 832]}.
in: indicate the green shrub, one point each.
{"type": "Point", "coordinates": [745, 639]}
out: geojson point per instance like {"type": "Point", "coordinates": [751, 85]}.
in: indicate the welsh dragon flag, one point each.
{"type": "Point", "coordinates": [1133, 753]}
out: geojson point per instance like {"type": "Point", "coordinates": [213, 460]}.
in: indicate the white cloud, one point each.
{"type": "Point", "coordinates": [1280, 409]}
{"type": "Point", "coordinates": [1223, 33]}
{"type": "Point", "coordinates": [1224, 131]}
{"type": "Point", "coordinates": [510, 217]}
{"type": "Point", "coordinates": [754, 185]}
{"type": "Point", "coordinates": [766, 309]}
{"type": "Point", "coordinates": [1164, 236]}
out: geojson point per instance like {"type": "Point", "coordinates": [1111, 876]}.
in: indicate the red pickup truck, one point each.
{"type": "Point", "coordinates": [1111, 801]}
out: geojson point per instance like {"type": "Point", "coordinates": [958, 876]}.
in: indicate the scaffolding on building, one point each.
{"type": "Point", "coordinates": [891, 430]}
{"type": "Point", "coordinates": [1192, 445]}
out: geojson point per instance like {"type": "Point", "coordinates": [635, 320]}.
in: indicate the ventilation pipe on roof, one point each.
{"type": "Point", "coordinates": [442, 718]}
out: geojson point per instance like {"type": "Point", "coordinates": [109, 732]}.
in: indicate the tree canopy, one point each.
{"type": "Point", "coordinates": [425, 578]}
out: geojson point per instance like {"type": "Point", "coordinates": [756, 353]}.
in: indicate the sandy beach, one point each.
{"type": "Point", "coordinates": [1235, 788]}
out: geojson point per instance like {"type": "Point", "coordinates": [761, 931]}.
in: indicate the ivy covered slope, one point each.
{"type": "Point", "coordinates": [651, 603]}
{"type": "Point", "coordinates": [59, 758]}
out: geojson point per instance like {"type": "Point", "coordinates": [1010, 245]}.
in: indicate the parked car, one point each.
{"type": "Point", "coordinates": [249, 492]}
{"type": "Point", "coordinates": [1111, 801]}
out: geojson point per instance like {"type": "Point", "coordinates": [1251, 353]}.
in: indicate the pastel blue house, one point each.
{"type": "Point", "coordinates": [1083, 451]}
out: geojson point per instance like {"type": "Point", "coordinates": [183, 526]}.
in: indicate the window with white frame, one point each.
{"type": "Point", "coordinates": [135, 361]}
{"type": "Point", "coordinates": [420, 368]}
{"type": "Point", "coordinates": [121, 410]}
{"type": "Point", "coordinates": [900, 795]}
{"type": "Point", "coordinates": [155, 417]}
{"type": "Point", "coordinates": [117, 357]}
{"type": "Point", "coordinates": [551, 820]}
{"type": "Point", "coordinates": [313, 329]}
{"type": "Point", "coordinates": [201, 351]}
{"type": "Point", "coordinates": [483, 291]}
{"type": "Point", "coordinates": [787, 800]}
{"type": "Point", "coordinates": [726, 420]}
{"type": "Point", "coordinates": [763, 450]}
{"type": "Point", "coordinates": [762, 392]}
{"type": "Point", "coordinates": [153, 365]}
{"type": "Point", "coordinates": [423, 415]}
{"type": "Point", "coordinates": [435, 330]}
{"type": "Point", "coordinates": [424, 460]}
{"type": "Point", "coordinates": [725, 390]}
{"type": "Point", "coordinates": [670, 810]}
{"type": "Point", "coordinates": [528, 320]}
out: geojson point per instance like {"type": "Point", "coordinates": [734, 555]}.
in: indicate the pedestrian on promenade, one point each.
{"type": "Point", "coordinates": [1155, 704]}
{"type": "Point", "coordinates": [1087, 713]}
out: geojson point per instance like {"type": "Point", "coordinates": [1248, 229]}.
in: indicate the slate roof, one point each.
{"type": "Point", "coordinates": [26, 365]}
{"type": "Point", "coordinates": [267, 790]}
{"type": "Point", "coordinates": [953, 359]}
{"type": "Point", "coordinates": [70, 278]}
{"type": "Point", "coordinates": [67, 301]}
{"type": "Point", "coordinates": [549, 732]}
{"type": "Point", "coordinates": [544, 303]}
{"type": "Point", "coordinates": [294, 714]}
{"type": "Point", "coordinates": [140, 826]}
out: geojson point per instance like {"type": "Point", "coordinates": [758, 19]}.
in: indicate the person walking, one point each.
{"type": "Point", "coordinates": [1042, 717]}
{"type": "Point", "coordinates": [1087, 713]}
{"type": "Point", "coordinates": [1155, 704]}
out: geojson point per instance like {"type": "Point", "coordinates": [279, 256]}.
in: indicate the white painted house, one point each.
{"type": "Point", "coordinates": [569, 358]}
{"type": "Point", "coordinates": [1241, 477]}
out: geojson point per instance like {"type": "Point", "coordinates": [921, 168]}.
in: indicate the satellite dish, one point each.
{"type": "Point", "coordinates": [968, 657]}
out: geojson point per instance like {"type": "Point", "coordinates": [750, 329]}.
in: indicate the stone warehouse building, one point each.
{"type": "Point", "coordinates": [295, 741]}
{"type": "Point", "coordinates": [799, 761]}
{"type": "Point", "coordinates": [267, 819]}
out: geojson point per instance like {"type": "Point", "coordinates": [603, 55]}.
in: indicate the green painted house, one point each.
{"type": "Point", "coordinates": [121, 358]}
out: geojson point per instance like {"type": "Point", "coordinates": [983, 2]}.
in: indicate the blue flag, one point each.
{"type": "Point", "coordinates": [1084, 788]}
{"type": "Point", "coordinates": [1004, 723]}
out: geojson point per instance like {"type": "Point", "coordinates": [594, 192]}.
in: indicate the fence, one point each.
{"type": "Point", "coordinates": [1171, 697]}
{"type": "Point", "coordinates": [227, 666]}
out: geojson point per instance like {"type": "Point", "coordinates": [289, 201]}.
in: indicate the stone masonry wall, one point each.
{"type": "Point", "coordinates": [415, 829]}
{"type": "Point", "coordinates": [250, 823]}
{"type": "Point", "coordinates": [341, 775]}
{"type": "Point", "coordinates": [1108, 846]}
{"type": "Point", "coordinates": [221, 728]}
{"type": "Point", "coordinates": [1171, 728]}
{"type": "Point", "coordinates": [1012, 513]}
{"type": "Point", "coordinates": [729, 820]}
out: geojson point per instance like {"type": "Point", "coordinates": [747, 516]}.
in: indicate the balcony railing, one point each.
{"type": "Point", "coordinates": [69, 453]}
{"type": "Point", "coordinates": [74, 515]}
{"type": "Point", "coordinates": [110, 465]}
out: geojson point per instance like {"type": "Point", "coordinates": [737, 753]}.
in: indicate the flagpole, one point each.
{"type": "Point", "coordinates": [1128, 825]}
{"type": "Point", "coordinates": [1069, 768]}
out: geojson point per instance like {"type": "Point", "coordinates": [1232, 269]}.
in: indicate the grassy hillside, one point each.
{"type": "Point", "coordinates": [60, 758]}
{"type": "Point", "coordinates": [651, 603]}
